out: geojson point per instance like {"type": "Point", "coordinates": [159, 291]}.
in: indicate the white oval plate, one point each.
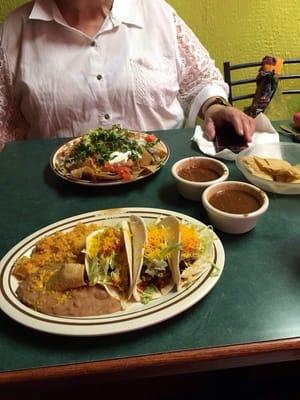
{"type": "Point", "coordinates": [136, 316]}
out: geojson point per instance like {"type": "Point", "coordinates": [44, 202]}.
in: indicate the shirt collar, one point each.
{"type": "Point", "coordinates": [123, 11]}
{"type": "Point", "coordinates": [46, 10]}
{"type": "Point", "coordinates": [129, 12]}
{"type": "Point", "coordinates": [42, 10]}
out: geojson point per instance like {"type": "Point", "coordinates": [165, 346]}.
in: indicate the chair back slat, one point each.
{"type": "Point", "coordinates": [243, 97]}
{"type": "Point", "coordinates": [292, 76]}
{"type": "Point", "coordinates": [291, 91]}
{"type": "Point", "coordinates": [242, 81]}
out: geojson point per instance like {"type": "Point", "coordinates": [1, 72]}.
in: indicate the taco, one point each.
{"type": "Point", "coordinates": [155, 252]}
{"type": "Point", "coordinates": [195, 254]}
{"type": "Point", "coordinates": [108, 259]}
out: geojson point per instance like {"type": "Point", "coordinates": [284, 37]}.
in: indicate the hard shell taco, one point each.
{"type": "Point", "coordinates": [154, 246]}
{"type": "Point", "coordinates": [108, 259]}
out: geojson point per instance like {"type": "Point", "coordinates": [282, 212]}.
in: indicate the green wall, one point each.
{"type": "Point", "coordinates": [246, 30]}
{"type": "Point", "coordinates": [236, 30]}
{"type": "Point", "coordinates": [7, 5]}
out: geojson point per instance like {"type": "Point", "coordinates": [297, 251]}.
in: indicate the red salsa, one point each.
{"type": "Point", "coordinates": [235, 201]}
{"type": "Point", "coordinates": [197, 173]}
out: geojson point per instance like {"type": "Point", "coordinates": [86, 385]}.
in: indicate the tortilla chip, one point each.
{"type": "Point", "coordinates": [278, 167]}
{"type": "Point", "coordinates": [146, 159]}
{"type": "Point", "coordinates": [272, 169]}
{"type": "Point", "coordinates": [252, 166]}
{"type": "Point", "coordinates": [272, 163]}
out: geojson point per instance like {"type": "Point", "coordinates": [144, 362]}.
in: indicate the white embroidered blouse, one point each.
{"type": "Point", "coordinates": [144, 70]}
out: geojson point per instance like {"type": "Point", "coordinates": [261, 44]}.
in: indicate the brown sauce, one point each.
{"type": "Point", "coordinates": [235, 201]}
{"type": "Point", "coordinates": [197, 173]}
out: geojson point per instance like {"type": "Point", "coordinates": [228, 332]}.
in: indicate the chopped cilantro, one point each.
{"type": "Point", "coordinates": [102, 143]}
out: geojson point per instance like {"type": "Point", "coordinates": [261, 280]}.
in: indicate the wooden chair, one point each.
{"type": "Point", "coordinates": [228, 68]}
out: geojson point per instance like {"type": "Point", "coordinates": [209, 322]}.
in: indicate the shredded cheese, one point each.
{"type": "Point", "coordinates": [105, 242]}
{"type": "Point", "coordinates": [190, 240]}
{"type": "Point", "coordinates": [156, 241]}
{"type": "Point", "coordinates": [41, 278]}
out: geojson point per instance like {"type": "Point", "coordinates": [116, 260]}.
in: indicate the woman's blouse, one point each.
{"type": "Point", "coordinates": [144, 70]}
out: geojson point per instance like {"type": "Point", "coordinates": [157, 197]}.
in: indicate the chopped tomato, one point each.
{"type": "Point", "coordinates": [108, 167]}
{"type": "Point", "coordinates": [150, 138]}
{"type": "Point", "coordinates": [122, 170]}
{"type": "Point", "coordinates": [124, 173]}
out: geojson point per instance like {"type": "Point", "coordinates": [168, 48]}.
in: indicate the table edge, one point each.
{"type": "Point", "coordinates": [164, 364]}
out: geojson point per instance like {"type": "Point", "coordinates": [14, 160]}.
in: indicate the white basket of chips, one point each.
{"type": "Point", "coordinates": [274, 167]}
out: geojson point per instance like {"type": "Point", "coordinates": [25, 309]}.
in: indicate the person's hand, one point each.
{"type": "Point", "coordinates": [217, 115]}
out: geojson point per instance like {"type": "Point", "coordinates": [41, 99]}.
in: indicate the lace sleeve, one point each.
{"type": "Point", "coordinates": [198, 73]}
{"type": "Point", "coordinates": [9, 116]}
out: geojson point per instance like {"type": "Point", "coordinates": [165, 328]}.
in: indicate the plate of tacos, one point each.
{"type": "Point", "coordinates": [109, 156]}
{"type": "Point", "coordinates": [110, 271]}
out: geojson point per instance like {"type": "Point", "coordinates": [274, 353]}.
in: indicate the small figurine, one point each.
{"type": "Point", "coordinates": [266, 85]}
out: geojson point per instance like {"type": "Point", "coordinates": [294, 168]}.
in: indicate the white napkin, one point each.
{"type": "Point", "coordinates": [264, 133]}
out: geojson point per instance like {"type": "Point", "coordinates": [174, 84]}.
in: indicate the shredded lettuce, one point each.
{"type": "Point", "coordinates": [215, 271]}
{"type": "Point", "coordinates": [99, 269]}
{"type": "Point", "coordinates": [207, 237]}
{"type": "Point", "coordinates": [157, 266]}
{"type": "Point", "coordinates": [93, 270]}
{"type": "Point", "coordinates": [147, 294]}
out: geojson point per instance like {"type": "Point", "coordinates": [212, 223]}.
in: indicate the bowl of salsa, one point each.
{"type": "Point", "coordinates": [234, 207]}
{"type": "Point", "coordinates": [194, 174]}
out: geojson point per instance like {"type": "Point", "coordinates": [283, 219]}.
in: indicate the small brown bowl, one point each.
{"type": "Point", "coordinates": [234, 207]}
{"type": "Point", "coordinates": [195, 174]}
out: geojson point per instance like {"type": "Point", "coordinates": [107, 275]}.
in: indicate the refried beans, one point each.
{"type": "Point", "coordinates": [80, 302]}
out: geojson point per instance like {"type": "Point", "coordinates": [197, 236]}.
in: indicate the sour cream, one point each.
{"type": "Point", "coordinates": [117, 157]}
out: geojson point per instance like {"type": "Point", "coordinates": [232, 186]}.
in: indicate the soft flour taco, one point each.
{"type": "Point", "coordinates": [154, 246]}
{"type": "Point", "coordinates": [108, 259]}
{"type": "Point", "coordinates": [195, 254]}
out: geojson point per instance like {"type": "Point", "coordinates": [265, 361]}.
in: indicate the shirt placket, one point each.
{"type": "Point", "coordinates": [99, 82]}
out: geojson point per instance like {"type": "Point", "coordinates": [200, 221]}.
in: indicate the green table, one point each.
{"type": "Point", "coordinates": [250, 317]}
